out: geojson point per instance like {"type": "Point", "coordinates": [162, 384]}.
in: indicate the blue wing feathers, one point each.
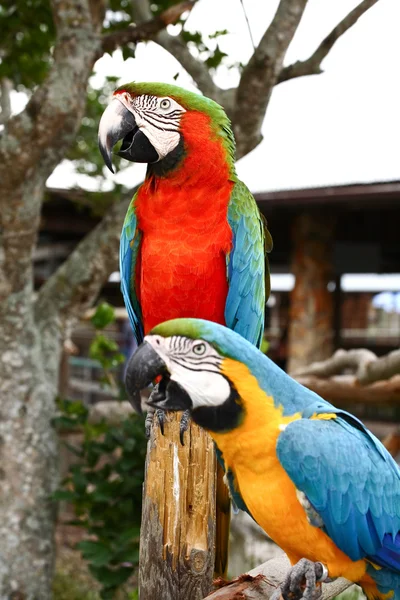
{"type": "Point", "coordinates": [128, 253]}
{"type": "Point", "coordinates": [350, 479]}
{"type": "Point", "coordinates": [245, 304]}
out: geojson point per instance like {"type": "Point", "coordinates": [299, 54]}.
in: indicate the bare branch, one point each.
{"type": "Point", "coordinates": [77, 282]}
{"type": "Point", "coordinates": [339, 362]}
{"type": "Point", "coordinates": [5, 102]}
{"type": "Point", "coordinates": [248, 24]}
{"type": "Point", "coordinates": [196, 68]}
{"type": "Point", "coordinates": [312, 66]}
{"type": "Point", "coordinates": [383, 368]}
{"type": "Point", "coordinates": [147, 29]}
{"type": "Point", "coordinates": [261, 74]}
{"type": "Point", "coordinates": [341, 390]}
{"type": "Point", "coordinates": [262, 582]}
{"type": "Point", "coordinates": [363, 363]}
{"type": "Point", "coordinates": [179, 50]}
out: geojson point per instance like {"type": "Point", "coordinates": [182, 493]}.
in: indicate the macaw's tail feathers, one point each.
{"type": "Point", "coordinates": [380, 583]}
{"type": "Point", "coordinates": [223, 518]}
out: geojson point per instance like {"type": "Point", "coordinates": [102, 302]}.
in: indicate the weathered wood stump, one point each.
{"type": "Point", "coordinates": [178, 516]}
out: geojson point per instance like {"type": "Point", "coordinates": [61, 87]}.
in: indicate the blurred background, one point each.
{"type": "Point", "coordinates": [313, 94]}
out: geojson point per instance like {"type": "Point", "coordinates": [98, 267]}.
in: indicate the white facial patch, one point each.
{"type": "Point", "coordinates": [203, 387]}
{"type": "Point", "coordinates": [162, 141]}
{"type": "Point", "coordinates": [195, 365]}
{"type": "Point", "coordinates": [158, 118]}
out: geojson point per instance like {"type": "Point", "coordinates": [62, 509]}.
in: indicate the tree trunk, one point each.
{"type": "Point", "coordinates": [311, 308]}
{"type": "Point", "coordinates": [28, 458]}
{"type": "Point", "coordinates": [178, 515]}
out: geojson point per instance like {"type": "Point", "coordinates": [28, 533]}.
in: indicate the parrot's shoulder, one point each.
{"type": "Point", "coordinates": [243, 205]}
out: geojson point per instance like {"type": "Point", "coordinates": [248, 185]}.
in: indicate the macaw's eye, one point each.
{"type": "Point", "coordinates": [199, 349]}
{"type": "Point", "coordinates": [165, 103]}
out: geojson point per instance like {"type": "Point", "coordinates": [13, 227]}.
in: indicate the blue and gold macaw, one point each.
{"type": "Point", "coordinates": [314, 477]}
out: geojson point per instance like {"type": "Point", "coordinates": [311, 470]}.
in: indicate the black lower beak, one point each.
{"type": "Point", "coordinates": [118, 123]}
{"type": "Point", "coordinates": [143, 367]}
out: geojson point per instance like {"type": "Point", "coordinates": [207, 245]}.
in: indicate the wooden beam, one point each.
{"type": "Point", "coordinates": [310, 335]}
{"type": "Point", "coordinates": [370, 194]}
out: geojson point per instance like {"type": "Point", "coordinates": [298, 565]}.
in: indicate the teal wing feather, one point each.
{"type": "Point", "coordinates": [128, 255]}
{"type": "Point", "coordinates": [351, 481]}
{"type": "Point", "coordinates": [247, 266]}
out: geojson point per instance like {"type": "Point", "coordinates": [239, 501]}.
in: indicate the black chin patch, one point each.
{"type": "Point", "coordinates": [224, 417]}
{"type": "Point", "coordinates": [136, 147]}
{"type": "Point", "coordinates": [169, 163]}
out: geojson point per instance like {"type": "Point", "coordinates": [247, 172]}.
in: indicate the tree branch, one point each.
{"type": "Point", "coordinates": [34, 142]}
{"type": "Point", "coordinates": [77, 282]}
{"type": "Point", "coordinates": [339, 362]}
{"type": "Point", "coordinates": [341, 390]}
{"type": "Point", "coordinates": [5, 102]}
{"type": "Point", "coordinates": [382, 368]}
{"type": "Point", "coordinates": [179, 50]}
{"type": "Point", "coordinates": [147, 29]}
{"type": "Point", "coordinates": [38, 137]}
{"type": "Point", "coordinates": [363, 363]}
{"type": "Point", "coordinates": [261, 74]}
{"type": "Point", "coordinates": [312, 66]}
{"type": "Point", "coordinates": [262, 582]}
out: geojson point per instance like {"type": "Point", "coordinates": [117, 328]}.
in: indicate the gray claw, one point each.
{"type": "Point", "coordinates": [301, 581]}
{"type": "Point", "coordinates": [184, 424]}
{"type": "Point", "coordinates": [148, 423]}
{"type": "Point", "coordinates": [160, 415]}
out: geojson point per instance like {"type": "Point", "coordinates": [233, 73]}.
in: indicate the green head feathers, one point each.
{"type": "Point", "coordinates": [190, 101]}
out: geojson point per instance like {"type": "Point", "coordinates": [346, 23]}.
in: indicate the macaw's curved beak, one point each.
{"type": "Point", "coordinates": [143, 367]}
{"type": "Point", "coordinates": [118, 123]}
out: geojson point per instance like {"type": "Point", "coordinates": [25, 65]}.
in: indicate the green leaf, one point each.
{"type": "Point", "coordinates": [67, 495]}
{"type": "Point", "coordinates": [97, 553]}
{"type": "Point", "coordinates": [111, 578]}
{"type": "Point", "coordinates": [218, 34]}
{"type": "Point", "coordinates": [215, 59]}
{"type": "Point", "coordinates": [104, 315]}
{"type": "Point", "coordinates": [265, 346]}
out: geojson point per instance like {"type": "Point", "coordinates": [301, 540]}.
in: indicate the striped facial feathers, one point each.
{"type": "Point", "coordinates": [157, 117]}
{"type": "Point", "coordinates": [196, 366]}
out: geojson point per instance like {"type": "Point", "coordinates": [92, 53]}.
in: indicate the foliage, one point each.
{"type": "Point", "coordinates": [27, 35]}
{"type": "Point", "coordinates": [264, 345]}
{"type": "Point", "coordinates": [26, 56]}
{"type": "Point", "coordinates": [103, 349]}
{"type": "Point", "coordinates": [105, 484]}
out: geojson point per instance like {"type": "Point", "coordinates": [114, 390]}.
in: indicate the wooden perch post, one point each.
{"type": "Point", "coordinates": [178, 515]}
{"type": "Point", "coordinates": [262, 582]}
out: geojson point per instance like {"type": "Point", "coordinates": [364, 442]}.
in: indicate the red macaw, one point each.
{"type": "Point", "coordinates": [193, 242]}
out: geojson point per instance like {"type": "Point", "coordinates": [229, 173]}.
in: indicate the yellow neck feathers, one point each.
{"type": "Point", "coordinates": [262, 420]}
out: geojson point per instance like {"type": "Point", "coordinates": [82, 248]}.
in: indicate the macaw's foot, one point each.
{"type": "Point", "coordinates": [184, 424]}
{"type": "Point", "coordinates": [159, 415]}
{"type": "Point", "coordinates": [157, 395]}
{"type": "Point", "coordinates": [303, 581]}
